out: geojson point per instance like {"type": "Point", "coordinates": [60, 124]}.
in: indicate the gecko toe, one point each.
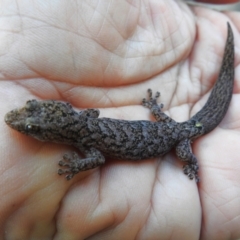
{"type": "Point", "coordinates": [152, 101]}
{"type": "Point", "coordinates": [191, 170]}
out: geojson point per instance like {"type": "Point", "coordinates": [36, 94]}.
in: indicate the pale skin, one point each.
{"type": "Point", "coordinates": [106, 55]}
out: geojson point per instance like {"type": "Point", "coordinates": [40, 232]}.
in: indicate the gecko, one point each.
{"type": "Point", "coordinates": [99, 138]}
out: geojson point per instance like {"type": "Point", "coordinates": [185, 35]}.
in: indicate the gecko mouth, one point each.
{"type": "Point", "coordinates": [13, 120]}
{"type": "Point", "coordinates": [11, 117]}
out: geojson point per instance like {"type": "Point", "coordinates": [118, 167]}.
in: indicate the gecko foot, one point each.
{"type": "Point", "coordinates": [191, 170]}
{"type": "Point", "coordinates": [73, 164]}
{"type": "Point", "coordinates": [70, 163]}
{"type": "Point", "coordinates": [152, 101]}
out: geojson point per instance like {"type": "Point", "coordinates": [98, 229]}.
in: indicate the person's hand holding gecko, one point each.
{"type": "Point", "coordinates": [106, 55]}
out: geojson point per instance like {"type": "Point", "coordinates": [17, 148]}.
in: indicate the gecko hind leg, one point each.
{"type": "Point", "coordinates": [184, 153]}
{"type": "Point", "coordinates": [156, 111]}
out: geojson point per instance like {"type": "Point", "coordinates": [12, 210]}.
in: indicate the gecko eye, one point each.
{"type": "Point", "coordinates": [32, 128]}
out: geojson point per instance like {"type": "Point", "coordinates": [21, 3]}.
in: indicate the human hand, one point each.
{"type": "Point", "coordinates": [106, 55]}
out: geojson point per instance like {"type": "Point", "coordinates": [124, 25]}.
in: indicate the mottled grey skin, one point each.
{"type": "Point", "coordinates": [95, 137]}
{"type": "Point", "coordinates": [217, 105]}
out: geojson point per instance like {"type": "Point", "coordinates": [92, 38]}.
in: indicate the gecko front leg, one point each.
{"type": "Point", "coordinates": [184, 152]}
{"type": "Point", "coordinates": [73, 164]}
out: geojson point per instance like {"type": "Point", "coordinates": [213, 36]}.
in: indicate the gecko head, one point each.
{"type": "Point", "coordinates": [43, 120]}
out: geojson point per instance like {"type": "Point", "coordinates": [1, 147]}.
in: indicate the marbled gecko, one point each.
{"type": "Point", "coordinates": [97, 138]}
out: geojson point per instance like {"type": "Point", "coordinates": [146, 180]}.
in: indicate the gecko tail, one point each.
{"type": "Point", "coordinates": [217, 104]}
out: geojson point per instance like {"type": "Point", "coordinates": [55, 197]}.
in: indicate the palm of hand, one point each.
{"type": "Point", "coordinates": [102, 59]}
